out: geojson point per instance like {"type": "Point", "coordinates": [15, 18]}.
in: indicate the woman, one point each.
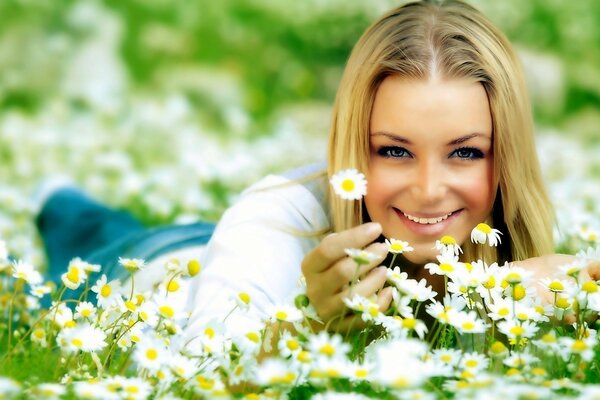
{"type": "Point", "coordinates": [433, 108]}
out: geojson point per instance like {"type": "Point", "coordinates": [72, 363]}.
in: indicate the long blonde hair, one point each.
{"type": "Point", "coordinates": [453, 40]}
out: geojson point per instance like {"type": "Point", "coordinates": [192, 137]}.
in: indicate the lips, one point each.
{"type": "Point", "coordinates": [430, 224]}
{"type": "Point", "coordinates": [426, 221]}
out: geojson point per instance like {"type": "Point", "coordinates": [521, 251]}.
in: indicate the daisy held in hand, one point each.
{"type": "Point", "coordinates": [349, 184]}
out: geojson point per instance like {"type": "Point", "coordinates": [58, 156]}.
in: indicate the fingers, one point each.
{"type": "Point", "coordinates": [593, 270]}
{"type": "Point", "coordinates": [346, 270]}
{"type": "Point", "coordinates": [367, 287]}
{"type": "Point", "coordinates": [332, 247]}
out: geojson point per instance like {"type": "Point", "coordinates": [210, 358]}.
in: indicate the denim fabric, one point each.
{"type": "Point", "coordinates": [73, 225]}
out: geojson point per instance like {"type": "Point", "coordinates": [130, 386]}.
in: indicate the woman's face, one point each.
{"type": "Point", "coordinates": [431, 162]}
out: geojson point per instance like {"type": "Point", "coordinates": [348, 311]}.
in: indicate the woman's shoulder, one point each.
{"type": "Point", "coordinates": [295, 195]}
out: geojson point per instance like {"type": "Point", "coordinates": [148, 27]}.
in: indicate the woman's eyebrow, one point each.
{"type": "Point", "coordinates": [463, 139]}
{"type": "Point", "coordinates": [459, 140]}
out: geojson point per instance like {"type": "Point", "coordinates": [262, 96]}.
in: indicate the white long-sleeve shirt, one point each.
{"type": "Point", "coordinates": [256, 249]}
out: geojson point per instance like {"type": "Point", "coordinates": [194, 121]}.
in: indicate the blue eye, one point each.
{"type": "Point", "coordinates": [393, 152]}
{"type": "Point", "coordinates": [467, 153]}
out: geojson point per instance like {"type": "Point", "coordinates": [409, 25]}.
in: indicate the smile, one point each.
{"type": "Point", "coordinates": [427, 221]}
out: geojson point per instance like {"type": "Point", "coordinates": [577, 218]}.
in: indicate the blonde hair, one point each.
{"type": "Point", "coordinates": [449, 39]}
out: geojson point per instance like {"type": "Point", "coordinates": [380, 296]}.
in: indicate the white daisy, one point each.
{"type": "Point", "coordinates": [74, 276]}
{"type": "Point", "coordinates": [40, 291]}
{"type": "Point", "coordinates": [81, 338]}
{"type": "Point", "coordinates": [349, 184]}
{"type": "Point", "coordinates": [107, 293]}
{"type": "Point", "coordinates": [361, 256]}
{"type": "Point", "coordinates": [518, 330]}
{"type": "Point", "coordinates": [151, 353]}
{"type": "Point", "coordinates": [447, 265]}
{"type": "Point", "coordinates": [396, 246]}
{"type": "Point", "coordinates": [27, 272]}
{"type": "Point", "coordinates": [448, 244]}
{"type": "Point", "coordinates": [284, 312]}
{"type": "Point", "coordinates": [132, 264]}
{"type": "Point", "coordinates": [483, 233]}
{"type": "Point", "coordinates": [327, 345]}
{"type": "Point", "coordinates": [48, 391]}
{"type": "Point", "coordinates": [85, 309]}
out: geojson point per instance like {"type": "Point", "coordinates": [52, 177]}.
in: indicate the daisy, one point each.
{"type": "Point", "coordinates": [517, 330]}
{"type": "Point", "coordinates": [284, 312]}
{"type": "Point", "coordinates": [85, 309]}
{"type": "Point", "coordinates": [81, 338]}
{"type": "Point", "coordinates": [574, 268]}
{"type": "Point", "coordinates": [132, 264]}
{"type": "Point", "coordinates": [349, 184]}
{"type": "Point", "coordinates": [135, 388]}
{"type": "Point", "coordinates": [447, 265]}
{"type": "Point", "coordinates": [418, 291]}
{"type": "Point", "coordinates": [275, 372]}
{"type": "Point", "coordinates": [360, 256]}
{"type": "Point", "coordinates": [40, 291]}
{"type": "Point", "coordinates": [483, 232]}
{"type": "Point", "coordinates": [39, 336]}
{"type": "Point", "coordinates": [288, 345]}
{"type": "Point", "coordinates": [520, 360]}
{"type": "Point", "coordinates": [467, 322]}
{"type": "Point", "coordinates": [242, 299]}
{"type": "Point", "coordinates": [583, 347]}
{"type": "Point", "coordinates": [26, 271]}
{"type": "Point", "coordinates": [48, 391]}
{"type": "Point", "coordinates": [151, 353]}
{"type": "Point", "coordinates": [183, 367]}
{"type": "Point", "coordinates": [107, 293]}
{"type": "Point", "coordinates": [450, 357]}
{"type": "Point", "coordinates": [74, 276]}
{"type": "Point", "coordinates": [474, 362]}
{"type": "Point", "coordinates": [329, 346]}
{"type": "Point", "coordinates": [448, 244]}
{"type": "Point", "coordinates": [396, 246]}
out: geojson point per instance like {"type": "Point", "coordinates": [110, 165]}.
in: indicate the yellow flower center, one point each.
{"type": "Point", "coordinates": [76, 342]}
{"type": "Point", "coordinates": [304, 357]}
{"type": "Point", "coordinates": [39, 333]}
{"type": "Point", "coordinates": [151, 354]}
{"type": "Point", "coordinates": [401, 383]}
{"type": "Point", "coordinates": [105, 291]}
{"type": "Point", "coordinates": [490, 283]}
{"type": "Point", "coordinates": [73, 275]}
{"type": "Point", "coordinates": [448, 240]}
{"type": "Point", "coordinates": [86, 312]}
{"type": "Point", "coordinates": [485, 228]}
{"type": "Point", "coordinates": [348, 185]}
{"type": "Point", "coordinates": [538, 371]}
{"type": "Point", "coordinates": [522, 316]}
{"type": "Point", "coordinates": [205, 383]}
{"type": "Point", "coordinates": [590, 287]}
{"type": "Point", "coordinates": [244, 297]}
{"type": "Point", "coordinates": [513, 277]}
{"type": "Point", "coordinates": [253, 337]}
{"type": "Point", "coordinates": [445, 267]}
{"type": "Point", "coordinates": [447, 358]}
{"type": "Point", "coordinates": [498, 348]}
{"type": "Point", "coordinates": [562, 302]}
{"type": "Point", "coordinates": [166, 311]}
{"type": "Point", "coordinates": [281, 315]}
{"type": "Point", "coordinates": [361, 373]}
{"type": "Point", "coordinates": [556, 286]}
{"type": "Point", "coordinates": [292, 344]}
{"type": "Point", "coordinates": [409, 323]}
{"type": "Point", "coordinates": [172, 286]}
{"type": "Point", "coordinates": [193, 267]}
{"type": "Point", "coordinates": [396, 247]}
{"type": "Point", "coordinates": [327, 349]}
{"type": "Point", "coordinates": [209, 332]}
{"type": "Point", "coordinates": [130, 305]}
{"type": "Point", "coordinates": [132, 389]}
{"type": "Point", "coordinates": [519, 292]}
{"type": "Point", "coordinates": [70, 324]}
{"type": "Point", "coordinates": [517, 330]}
{"type": "Point", "coordinates": [467, 326]}
{"type": "Point", "coordinates": [471, 363]}
{"type": "Point", "coordinates": [548, 338]}
{"type": "Point", "coordinates": [579, 346]}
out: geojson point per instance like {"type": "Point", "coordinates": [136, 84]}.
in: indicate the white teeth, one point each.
{"type": "Point", "coordinates": [427, 221]}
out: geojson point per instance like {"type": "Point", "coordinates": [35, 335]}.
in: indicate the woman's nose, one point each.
{"type": "Point", "coordinates": [430, 185]}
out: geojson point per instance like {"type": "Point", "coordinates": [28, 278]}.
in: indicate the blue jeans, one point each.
{"type": "Point", "coordinates": [73, 225]}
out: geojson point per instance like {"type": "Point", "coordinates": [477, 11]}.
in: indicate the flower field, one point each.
{"type": "Point", "coordinates": [175, 141]}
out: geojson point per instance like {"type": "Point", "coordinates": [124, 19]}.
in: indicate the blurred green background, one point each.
{"type": "Point", "coordinates": [240, 62]}
{"type": "Point", "coordinates": [170, 107]}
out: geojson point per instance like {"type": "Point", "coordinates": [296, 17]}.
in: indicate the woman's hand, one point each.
{"type": "Point", "coordinates": [328, 272]}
